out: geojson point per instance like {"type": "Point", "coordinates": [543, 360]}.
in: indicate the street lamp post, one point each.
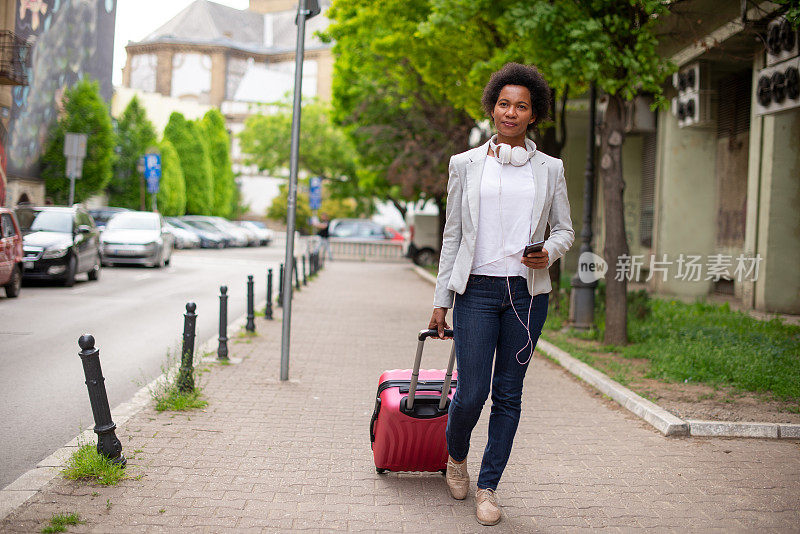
{"type": "Point", "coordinates": [582, 296]}
{"type": "Point", "coordinates": [305, 10]}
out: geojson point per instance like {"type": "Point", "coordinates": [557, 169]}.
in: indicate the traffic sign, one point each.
{"type": "Point", "coordinates": [152, 171]}
{"type": "Point", "coordinates": [315, 193]}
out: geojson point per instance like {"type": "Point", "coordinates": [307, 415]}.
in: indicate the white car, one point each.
{"type": "Point", "coordinates": [183, 238]}
{"type": "Point", "coordinates": [139, 237]}
{"type": "Point", "coordinates": [264, 234]}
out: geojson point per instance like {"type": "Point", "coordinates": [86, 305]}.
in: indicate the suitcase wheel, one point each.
{"type": "Point", "coordinates": [380, 471]}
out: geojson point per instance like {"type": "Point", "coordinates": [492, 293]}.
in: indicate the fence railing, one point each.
{"type": "Point", "coordinates": [355, 249]}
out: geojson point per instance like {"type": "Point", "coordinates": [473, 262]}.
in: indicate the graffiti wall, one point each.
{"type": "Point", "coordinates": [70, 39]}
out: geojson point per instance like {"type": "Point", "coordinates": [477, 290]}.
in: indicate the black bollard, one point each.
{"type": "Point", "coordinates": [268, 309]}
{"type": "Point", "coordinates": [280, 288]}
{"type": "Point", "coordinates": [305, 277]}
{"type": "Point", "coordinates": [186, 372]}
{"type": "Point", "coordinates": [296, 274]}
{"type": "Point", "coordinates": [316, 262]}
{"type": "Point", "coordinates": [222, 349]}
{"type": "Point", "coordinates": [107, 443]}
{"type": "Point", "coordinates": [251, 324]}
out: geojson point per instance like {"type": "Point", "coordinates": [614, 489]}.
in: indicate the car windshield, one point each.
{"type": "Point", "coordinates": [257, 224]}
{"type": "Point", "coordinates": [132, 221]}
{"type": "Point", "coordinates": [46, 221]}
{"type": "Point", "coordinates": [202, 225]}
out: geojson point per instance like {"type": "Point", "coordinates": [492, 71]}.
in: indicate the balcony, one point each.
{"type": "Point", "coordinates": [14, 58]}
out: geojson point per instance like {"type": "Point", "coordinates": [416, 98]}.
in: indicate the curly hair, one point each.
{"type": "Point", "coordinates": [526, 76]}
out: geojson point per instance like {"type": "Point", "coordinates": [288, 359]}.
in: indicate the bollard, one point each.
{"type": "Point", "coordinates": [305, 277]}
{"type": "Point", "coordinates": [311, 269]}
{"type": "Point", "coordinates": [316, 262]}
{"type": "Point", "coordinates": [251, 324]}
{"type": "Point", "coordinates": [222, 349]}
{"type": "Point", "coordinates": [296, 274]}
{"type": "Point", "coordinates": [186, 372]}
{"type": "Point", "coordinates": [280, 288]}
{"type": "Point", "coordinates": [268, 309]}
{"type": "Point", "coordinates": [107, 443]}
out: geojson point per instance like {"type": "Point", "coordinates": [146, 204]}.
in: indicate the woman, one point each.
{"type": "Point", "coordinates": [500, 197]}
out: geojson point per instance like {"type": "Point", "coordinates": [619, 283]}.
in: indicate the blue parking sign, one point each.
{"type": "Point", "coordinates": [315, 192]}
{"type": "Point", "coordinates": [152, 171]}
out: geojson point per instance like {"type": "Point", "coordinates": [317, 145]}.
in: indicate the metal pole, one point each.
{"type": "Point", "coordinates": [222, 349]}
{"type": "Point", "coordinates": [251, 324]}
{"type": "Point", "coordinates": [296, 274]}
{"type": "Point", "coordinates": [280, 287]}
{"type": "Point", "coordinates": [305, 275]}
{"type": "Point", "coordinates": [268, 309]}
{"type": "Point", "coordinates": [582, 297]}
{"type": "Point", "coordinates": [107, 442]}
{"type": "Point", "coordinates": [71, 189]}
{"type": "Point", "coordinates": [292, 196]}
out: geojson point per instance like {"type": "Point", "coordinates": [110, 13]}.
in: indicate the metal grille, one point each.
{"type": "Point", "coordinates": [647, 195]}
{"type": "Point", "coordinates": [734, 104]}
{"type": "Point", "coordinates": [366, 250]}
{"type": "Point", "coordinates": [14, 58]}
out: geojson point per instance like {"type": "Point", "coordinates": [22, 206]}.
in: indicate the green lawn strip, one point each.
{"type": "Point", "coordinates": [59, 523]}
{"type": "Point", "coordinates": [89, 465]}
{"type": "Point", "coordinates": [698, 342]}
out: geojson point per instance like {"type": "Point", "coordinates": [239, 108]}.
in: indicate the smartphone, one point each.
{"type": "Point", "coordinates": [533, 247]}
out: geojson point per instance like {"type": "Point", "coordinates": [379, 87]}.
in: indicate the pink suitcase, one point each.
{"type": "Point", "coordinates": [410, 416]}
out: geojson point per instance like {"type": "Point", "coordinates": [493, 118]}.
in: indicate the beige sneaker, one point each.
{"type": "Point", "coordinates": [487, 510]}
{"type": "Point", "coordinates": [457, 478]}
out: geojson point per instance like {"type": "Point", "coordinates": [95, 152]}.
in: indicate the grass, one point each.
{"type": "Point", "coordinates": [59, 522]}
{"type": "Point", "coordinates": [166, 394]}
{"type": "Point", "coordinates": [89, 465]}
{"type": "Point", "coordinates": [697, 342]}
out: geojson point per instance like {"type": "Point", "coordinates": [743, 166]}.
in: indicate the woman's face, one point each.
{"type": "Point", "coordinates": [513, 112]}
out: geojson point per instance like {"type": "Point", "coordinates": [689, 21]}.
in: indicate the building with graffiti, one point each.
{"type": "Point", "coordinates": [68, 40]}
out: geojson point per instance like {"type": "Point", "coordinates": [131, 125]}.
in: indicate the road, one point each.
{"type": "Point", "coordinates": [136, 316]}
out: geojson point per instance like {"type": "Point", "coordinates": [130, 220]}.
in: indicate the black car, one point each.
{"type": "Point", "coordinates": [58, 243]}
{"type": "Point", "coordinates": [102, 215]}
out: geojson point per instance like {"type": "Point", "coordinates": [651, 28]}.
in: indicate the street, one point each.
{"type": "Point", "coordinates": [136, 316]}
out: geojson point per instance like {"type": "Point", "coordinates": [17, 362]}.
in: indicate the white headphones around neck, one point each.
{"type": "Point", "coordinates": [516, 156]}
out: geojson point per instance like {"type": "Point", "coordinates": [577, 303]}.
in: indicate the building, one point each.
{"type": "Point", "coordinates": [712, 184]}
{"type": "Point", "coordinates": [14, 54]}
{"type": "Point", "coordinates": [68, 41]}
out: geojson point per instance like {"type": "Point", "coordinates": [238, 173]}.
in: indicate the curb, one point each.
{"type": "Point", "coordinates": [29, 483]}
{"type": "Point", "coordinates": [656, 416]}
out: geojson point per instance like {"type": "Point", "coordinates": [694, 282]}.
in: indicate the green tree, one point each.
{"type": "Point", "coordinates": [185, 137]}
{"type": "Point", "coordinates": [84, 112]}
{"type": "Point", "coordinates": [172, 188]}
{"type": "Point", "coordinates": [404, 130]}
{"type": "Point", "coordinates": [218, 142]}
{"type": "Point", "coordinates": [612, 44]}
{"type": "Point", "coordinates": [135, 136]}
{"type": "Point", "coordinates": [334, 208]}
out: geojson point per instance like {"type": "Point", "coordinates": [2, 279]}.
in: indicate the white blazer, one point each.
{"type": "Point", "coordinates": [550, 204]}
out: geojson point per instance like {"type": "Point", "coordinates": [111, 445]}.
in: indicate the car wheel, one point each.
{"type": "Point", "coordinates": [166, 261]}
{"type": "Point", "coordinates": [72, 266]}
{"type": "Point", "coordinates": [425, 257]}
{"type": "Point", "coordinates": [14, 284]}
{"type": "Point", "coordinates": [94, 274]}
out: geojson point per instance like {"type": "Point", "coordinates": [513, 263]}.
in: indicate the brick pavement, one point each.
{"type": "Point", "coordinates": [276, 457]}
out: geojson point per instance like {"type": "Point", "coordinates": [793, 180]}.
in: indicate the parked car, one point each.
{"type": "Point", "coordinates": [357, 229]}
{"type": "Point", "coordinates": [138, 237]}
{"type": "Point", "coordinates": [265, 235]}
{"type": "Point", "coordinates": [233, 237]}
{"type": "Point", "coordinates": [244, 237]}
{"type": "Point", "coordinates": [10, 253]}
{"type": "Point", "coordinates": [59, 243]}
{"type": "Point", "coordinates": [102, 215]}
{"type": "Point", "coordinates": [183, 238]}
{"type": "Point", "coordinates": [208, 235]}
{"type": "Point", "coordinates": [423, 243]}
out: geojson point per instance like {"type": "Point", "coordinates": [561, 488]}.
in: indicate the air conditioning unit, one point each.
{"type": "Point", "coordinates": [782, 41]}
{"type": "Point", "coordinates": [693, 77]}
{"type": "Point", "coordinates": [778, 87]}
{"type": "Point", "coordinates": [695, 109]}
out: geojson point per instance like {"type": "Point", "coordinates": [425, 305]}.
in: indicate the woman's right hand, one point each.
{"type": "Point", "coordinates": [438, 322]}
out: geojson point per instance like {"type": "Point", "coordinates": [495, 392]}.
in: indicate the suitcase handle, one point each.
{"type": "Point", "coordinates": [412, 389]}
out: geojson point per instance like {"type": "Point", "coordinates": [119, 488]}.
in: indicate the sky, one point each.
{"type": "Point", "coordinates": [137, 18]}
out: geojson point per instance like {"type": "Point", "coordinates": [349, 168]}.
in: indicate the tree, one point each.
{"type": "Point", "coordinates": [195, 163]}
{"type": "Point", "coordinates": [135, 136]}
{"type": "Point", "coordinates": [84, 111]}
{"type": "Point", "coordinates": [218, 143]}
{"type": "Point", "coordinates": [325, 150]}
{"type": "Point", "coordinates": [334, 208]}
{"type": "Point", "coordinates": [612, 44]}
{"type": "Point", "coordinates": [172, 188]}
{"type": "Point", "coordinates": [404, 131]}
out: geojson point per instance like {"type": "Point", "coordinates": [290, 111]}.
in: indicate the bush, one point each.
{"type": "Point", "coordinates": [172, 191]}
{"type": "Point", "coordinates": [185, 137]}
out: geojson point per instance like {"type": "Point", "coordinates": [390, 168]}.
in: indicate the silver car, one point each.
{"type": "Point", "coordinates": [138, 237]}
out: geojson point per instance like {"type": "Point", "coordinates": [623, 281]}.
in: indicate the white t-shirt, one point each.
{"type": "Point", "coordinates": [503, 233]}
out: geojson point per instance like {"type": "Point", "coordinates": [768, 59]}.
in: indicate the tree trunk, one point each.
{"type": "Point", "coordinates": [616, 244]}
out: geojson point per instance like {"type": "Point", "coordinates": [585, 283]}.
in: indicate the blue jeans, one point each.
{"type": "Point", "coordinates": [487, 329]}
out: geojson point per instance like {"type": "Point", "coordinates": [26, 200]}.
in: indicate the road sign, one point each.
{"type": "Point", "coordinates": [315, 192]}
{"type": "Point", "coordinates": [152, 171]}
{"type": "Point", "coordinates": [75, 145]}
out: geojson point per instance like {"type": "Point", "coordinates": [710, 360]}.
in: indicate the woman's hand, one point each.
{"type": "Point", "coordinates": [438, 322]}
{"type": "Point", "coordinates": [536, 260]}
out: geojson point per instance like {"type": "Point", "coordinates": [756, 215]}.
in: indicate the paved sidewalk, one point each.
{"type": "Point", "coordinates": [277, 457]}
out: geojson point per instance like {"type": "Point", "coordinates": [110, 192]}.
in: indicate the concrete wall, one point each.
{"type": "Point", "coordinates": [158, 107]}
